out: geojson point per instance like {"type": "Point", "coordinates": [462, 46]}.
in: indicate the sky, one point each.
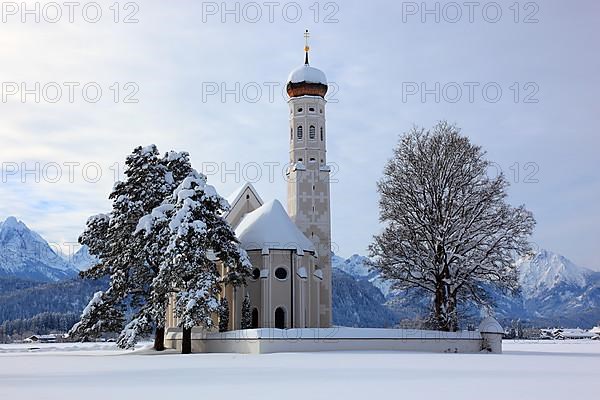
{"type": "Point", "coordinates": [82, 86]}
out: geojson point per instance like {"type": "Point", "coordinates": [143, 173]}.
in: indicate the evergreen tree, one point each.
{"type": "Point", "coordinates": [98, 317]}
{"type": "Point", "coordinates": [224, 315]}
{"type": "Point", "coordinates": [246, 322]}
{"type": "Point", "coordinates": [124, 257]}
{"type": "Point", "coordinates": [448, 231]}
{"type": "Point", "coordinates": [190, 235]}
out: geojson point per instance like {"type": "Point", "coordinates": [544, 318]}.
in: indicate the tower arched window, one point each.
{"type": "Point", "coordinates": [299, 132]}
{"type": "Point", "coordinates": [312, 132]}
{"type": "Point", "coordinates": [321, 134]}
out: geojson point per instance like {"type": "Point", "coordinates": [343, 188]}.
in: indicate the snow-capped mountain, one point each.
{"type": "Point", "coordinates": [358, 267]}
{"type": "Point", "coordinates": [545, 271]}
{"type": "Point", "coordinates": [357, 297]}
{"type": "Point", "coordinates": [555, 291]}
{"type": "Point", "coordinates": [25, 254]}
{"type": "Point", "coordinates": [82, 259]}
{"type": "Point", "coordinates": [357, 303]}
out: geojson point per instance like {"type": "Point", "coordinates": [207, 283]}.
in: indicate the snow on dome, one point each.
{"type": "Point", "coordinates": [490, 325]}
{"type": "Point", "coordinates": [306, 73]}
{"type": "Point", "coordinates": [269, 226]}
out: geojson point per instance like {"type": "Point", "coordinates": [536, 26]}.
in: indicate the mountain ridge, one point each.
{"type": "Point", "coordinates": [554, 291]}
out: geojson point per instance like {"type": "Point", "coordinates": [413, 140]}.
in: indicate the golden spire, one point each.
{"type": "Point", "coordinates": [306, 46]}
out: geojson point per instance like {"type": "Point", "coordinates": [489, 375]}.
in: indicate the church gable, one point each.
{"type": "Point", "coordinates": [243, 201]}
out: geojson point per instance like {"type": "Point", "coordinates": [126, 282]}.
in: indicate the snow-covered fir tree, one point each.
{"type": "Point", "coordinates": [124, 257]}
{"type": "Point", "coordinates": [448, 230]}
{"type": "Point", "coordinates": [98, 317]}
{"type": "Point", "coordinates": [175, 167]}
{"type": "Point", "coordinates": [246, 322]}
{"type": "Point", "coordinates": [105, 311]}
{"type": "Point", "coordinates": [224, 315]}
{"type": "Point", "coordinates": [192, 237]}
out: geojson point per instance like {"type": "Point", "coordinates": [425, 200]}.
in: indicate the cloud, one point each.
{"type": "Point", "coordinates": [370, 53]}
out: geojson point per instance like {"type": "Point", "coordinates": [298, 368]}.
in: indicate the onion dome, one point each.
{"type": "Point", "coordinates": [306, 80]}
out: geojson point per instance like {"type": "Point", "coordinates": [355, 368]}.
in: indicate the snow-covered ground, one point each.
{"type": "Point", "coordinates": [527, 370]}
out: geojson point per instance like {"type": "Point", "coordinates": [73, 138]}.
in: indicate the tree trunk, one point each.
{"type": "Point", "coordinates": [452, 314]}
{"type": "Point", "coordinates": [186, 341]}
{"type": "Point", "coordinates": [159, 339]}
{"type": "Point", "coordinates": [438, 309]}
{"type": "Point", "coordinates": [445, 310]}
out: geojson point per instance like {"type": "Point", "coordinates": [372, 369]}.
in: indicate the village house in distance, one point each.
{"type": "Point", "coordinates": [290, 288]}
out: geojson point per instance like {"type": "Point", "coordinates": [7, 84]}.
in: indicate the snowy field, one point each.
{"type": "Point", "coordinates": [527, 370]}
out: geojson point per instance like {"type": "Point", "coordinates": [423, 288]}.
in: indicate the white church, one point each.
{"type": "Point", "coordinates": [290, 285]}
{"type": "Point", "coordinates": [290, 288]}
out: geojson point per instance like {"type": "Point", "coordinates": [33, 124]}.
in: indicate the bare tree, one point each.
{"type": "Point", "coordinates": [448, 231]}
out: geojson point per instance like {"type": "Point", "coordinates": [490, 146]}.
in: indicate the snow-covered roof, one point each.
{"type": "Point", "coordinates": [306, 73]}
{"type": "Point", "coordinates": [236, 194]}
{"type": "Point", "coordinates": [490, 325]}
{"type": "Point", "coordinates": [270, 227]}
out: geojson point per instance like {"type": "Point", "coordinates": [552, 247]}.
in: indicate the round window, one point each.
{"type": "Point", "coordinates": [281, 273]}
{"type": "Point", "coordinates": [255, 273]}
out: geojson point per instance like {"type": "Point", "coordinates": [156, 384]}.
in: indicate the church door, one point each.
{"type": "Point", "coordinates": [255, 318]}
{"type": "Point", "coordinates": [279, 318]}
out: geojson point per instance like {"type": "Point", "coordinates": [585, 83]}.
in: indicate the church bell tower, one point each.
{"type": "Point", "coordinates": [308, 173]}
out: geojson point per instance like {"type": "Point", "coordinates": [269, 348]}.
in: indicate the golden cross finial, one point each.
{"type": "Point", "coordinates": [306, 46]}
{"type": "Point", "coordinates": [306, 36]}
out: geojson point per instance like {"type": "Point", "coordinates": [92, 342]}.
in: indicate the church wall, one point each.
{"type": "Point", "coordinates": [235, 296]}
{"type": "Point", "coordinates": [254, 287]}
{"type": "Point", "coordinates": [268, 292]}
{"type": "Point", "coordinates": [281, 289]}
{"type": "Point", "coordinates": [260, 341]}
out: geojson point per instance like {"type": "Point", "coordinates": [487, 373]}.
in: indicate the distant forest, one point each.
{"type": "Point", "coordinates": [29, 307]}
